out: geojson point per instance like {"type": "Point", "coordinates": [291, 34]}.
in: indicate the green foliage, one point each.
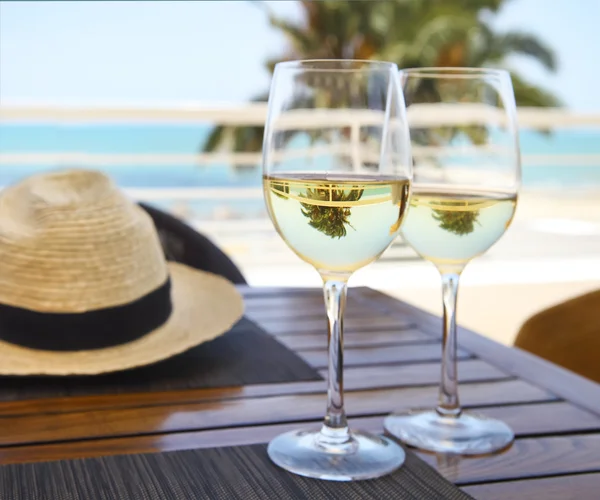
{"type": "Point", "coordinates": [530, 95]}
{"type": "Point", "coordinates": [459, 223]}
{"type": "Point", "coordinates": [331, 221]}
{"type": "Point", "coordinates": [412, 33]}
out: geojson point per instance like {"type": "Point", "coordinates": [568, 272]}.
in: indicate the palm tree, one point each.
{"type": "Point", "coordinates": [331, 221]}
{"type": "Point", "coordinates": [412, 33]}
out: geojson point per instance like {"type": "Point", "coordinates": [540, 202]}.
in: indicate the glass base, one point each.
{"type": "Point", "coordinates": [469, 434]}
{"type": "Point", "coordinates": [366, 456]}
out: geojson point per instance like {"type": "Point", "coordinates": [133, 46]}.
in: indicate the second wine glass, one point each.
{"type": "Point", "coordinates": [466, 177]}
{"type": "Point", "coordinates": [337, 169]}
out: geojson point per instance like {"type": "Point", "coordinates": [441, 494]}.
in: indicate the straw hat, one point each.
{"type": "Point", "coordinates": [84, 285]}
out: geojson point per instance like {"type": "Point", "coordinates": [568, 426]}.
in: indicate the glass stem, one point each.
{"type": "Point", "coordinates": [335, 436]}
{"type": "Point", "coordinates": [448, 402]}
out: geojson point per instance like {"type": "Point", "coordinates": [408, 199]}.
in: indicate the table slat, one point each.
{"type": "Point", "coordinates": [520, 419]}
{"type": "Point", "coordinates": [318, 340]}
{"type": "Point", "coordinates": [358, 378]}
{"type": "Point", "coordinates": [268, 410]}
{"type": "Point", "coordinates": [527, 458]}
{"type": "Point", "coordinates": [362, 356]}
{"type": "Point", "coordinates": [316, 325]}
{"type": "Point", "coordinates": [309, 300]}
{"type": "Point", "coordinates": [311, 310]}
{"type": "Point", "coordinates": [572, 487]}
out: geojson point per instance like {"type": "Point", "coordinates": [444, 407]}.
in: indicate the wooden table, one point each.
{"type": "Point", "coordinates": [392, 363]}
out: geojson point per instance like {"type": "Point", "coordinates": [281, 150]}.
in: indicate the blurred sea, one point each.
{"type": "Point", "coordinates": [187, 139]}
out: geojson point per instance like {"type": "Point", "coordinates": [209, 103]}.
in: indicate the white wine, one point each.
{"type": "Point", "coordinates": [337, 224]}
{"type": "Point", "coordinates": [449, 227]}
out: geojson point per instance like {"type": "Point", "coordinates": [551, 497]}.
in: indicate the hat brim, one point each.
{"type": "Point", "coordinates": [204, 306]}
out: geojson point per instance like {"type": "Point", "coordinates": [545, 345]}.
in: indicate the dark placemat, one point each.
{"type": "Point", "coordinates": [238, 472]}
{"type": "Point", "coordinates": [243, 356]}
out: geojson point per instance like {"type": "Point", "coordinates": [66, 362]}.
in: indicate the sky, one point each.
{"type": "Point", "coordinates": [212, 52]}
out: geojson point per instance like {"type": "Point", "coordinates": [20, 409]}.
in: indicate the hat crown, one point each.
{"type": "Point", "coordinates": [71, 241]}
{"type": "Point", "coordinates": [70, 187]}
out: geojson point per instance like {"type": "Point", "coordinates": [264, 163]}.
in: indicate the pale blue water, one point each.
{"type": "Point", "coordinates": [186, 139]}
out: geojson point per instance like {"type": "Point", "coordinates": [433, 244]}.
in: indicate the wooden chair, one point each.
{"type": "Point", "coordinates": [567, 334]}
{"type": "Point", "coordinates": [181, 243]}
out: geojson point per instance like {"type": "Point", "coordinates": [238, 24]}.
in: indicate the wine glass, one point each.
{"type": "Point", "coordinates": [336, 178]}
{"type": "Point", "coordinates": [467, 174]}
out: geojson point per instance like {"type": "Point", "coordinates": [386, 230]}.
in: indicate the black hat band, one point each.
{"type": "Point", "coordinates": [88, 330]}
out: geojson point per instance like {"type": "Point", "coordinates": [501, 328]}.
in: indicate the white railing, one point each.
{"type": "Point", "coordinates": [247, 114]}
{"type": "Point", "coordinates": [242, 115]}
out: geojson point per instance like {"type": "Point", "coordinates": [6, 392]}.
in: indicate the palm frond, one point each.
{"type": "Point", "coordinates": [524, 44]}
{"type": "Point", "coordinates": [247, 139]}
{"type": "Point", "coordinates": [527, 94]}
{"type": "Point", "coordinates": [440, 36]}
{"type": "Point", "coordinates": [299, 37]}
{"type": "Point", "coordinates": [479, 5]}
{"type": "Point", "coordinates": [215, 138]}
{"type": "Point", "coordinates": [240, 139]}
